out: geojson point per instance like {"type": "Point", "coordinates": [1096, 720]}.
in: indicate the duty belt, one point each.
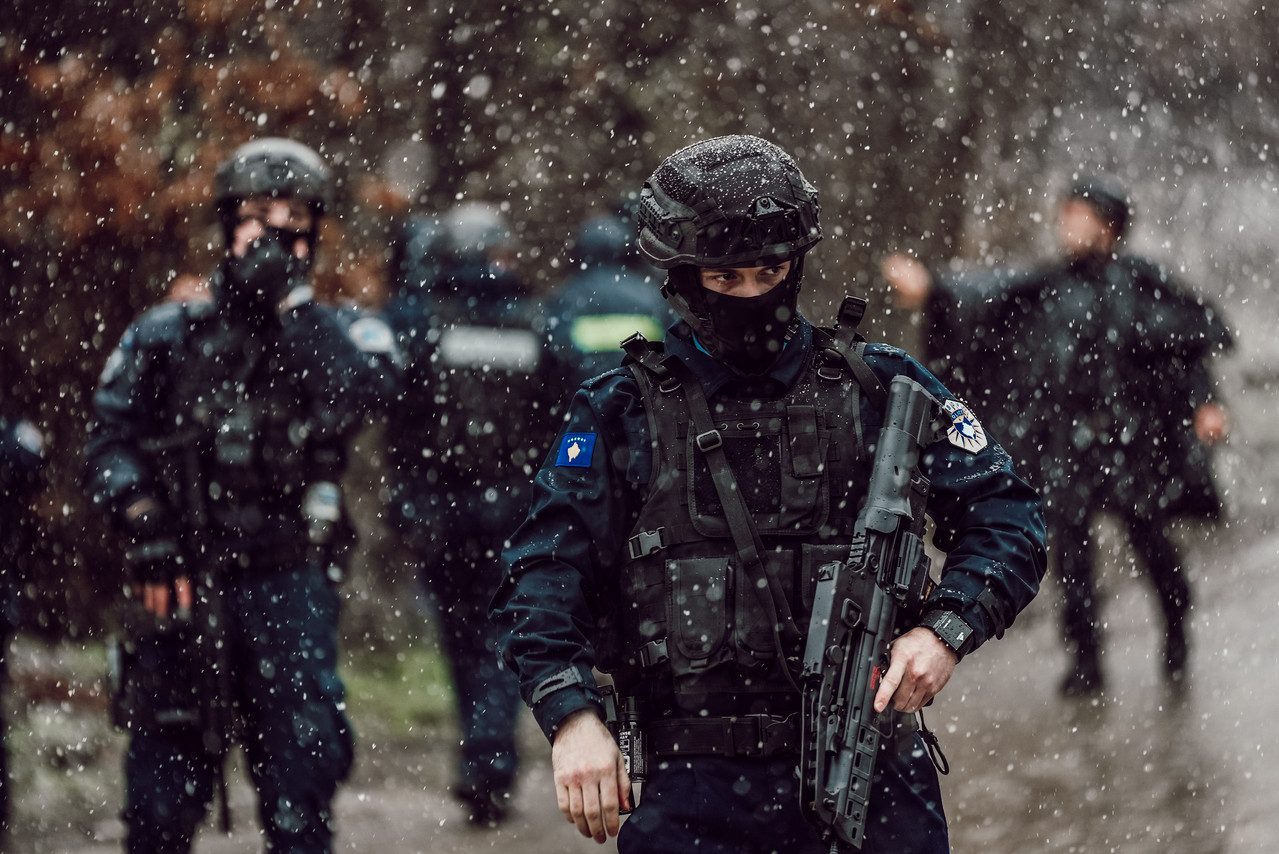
{"type": "Point", "coordinates": [739, 735]}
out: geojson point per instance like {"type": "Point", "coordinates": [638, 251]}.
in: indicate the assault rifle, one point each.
{"type": "Point", "coordinates": [856, 609]}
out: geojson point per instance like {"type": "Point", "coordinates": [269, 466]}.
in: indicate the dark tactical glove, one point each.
{"type": "Point", "coordinates": [154, 554]}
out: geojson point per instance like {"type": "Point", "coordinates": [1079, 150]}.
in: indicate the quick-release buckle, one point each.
{"type": "Point", "coordinates": [653, 653]}
{"type": "Point", "coordinates": [709, 441]}
{"type": "Point", "coordinates": [646, 542]}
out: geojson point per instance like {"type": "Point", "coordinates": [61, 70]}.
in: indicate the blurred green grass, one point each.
{"type": "Point", "coordinates": [66, 759]}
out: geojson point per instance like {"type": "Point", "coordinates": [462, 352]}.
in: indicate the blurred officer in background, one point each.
{"type": "Point", "coordinates": [610, 295]}
{"type": "Point", "coordinates": [464, 437]}
{"type": "Point", "coordinates": [221, 435]}
{"type": "Point", "coordinates": [22, 459]}
{"type": "Point", "coordinates": [1095, 369]}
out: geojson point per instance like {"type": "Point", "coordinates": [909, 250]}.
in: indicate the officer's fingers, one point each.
{"type": "Point", "coordinates": [623, 787]}
{"type": "Point", "coordinates": [592, 813]}
{"type": "Point", "coordinates": [564, 802]}
{"type": "Point", "coordinates": [908, 692]}
{"type": "Point", "coordinates": [183, 593]}
{"type": "Point", "coordinates": [156, 598]}
{"type": "Point", "coordinates": [888, 685]}
{"type": "Point", "coordinates": [577, 810]}
{"type": "Point", "coordinates": [612, 793]}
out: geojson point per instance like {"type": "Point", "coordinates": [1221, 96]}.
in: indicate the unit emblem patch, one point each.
{"type": "Point", "coordinates": [965, 430]}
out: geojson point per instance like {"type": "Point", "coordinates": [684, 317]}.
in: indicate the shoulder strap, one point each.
{"type": "Point", "coordinates": [842, 345]}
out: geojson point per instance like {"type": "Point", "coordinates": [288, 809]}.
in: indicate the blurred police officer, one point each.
{"type": "Point", "coordinates": [220, 438]}
{"type": "Point", "coordinates": [1095, 366]}
{"type": "Point", "coordinates": [629, 560]}
{"type": "Point", "coordinates": [22, 458]}
{"type": "Point", "coordinates": [464, 437]}
{"type": "Point", "coordinates": [610, 295]}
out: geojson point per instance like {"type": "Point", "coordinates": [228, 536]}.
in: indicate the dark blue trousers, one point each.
{"type": "Point", "coordinates": [460, 580]}
{"type": "Point", "coordinates": [283, 640]}
{"type": "Point", "coordinates": [712, 805]}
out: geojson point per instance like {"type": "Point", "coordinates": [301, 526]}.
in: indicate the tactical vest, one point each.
{"type": "Point", "coordinates": [692, 613]}
{"type": "Point", "coordinates": [243, 449]}
{"type": "Point", "coordinates": [479, 389]}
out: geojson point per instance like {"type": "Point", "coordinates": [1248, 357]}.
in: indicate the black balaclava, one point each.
{"type": "Point", "coordinates": [746, 333]}
{"type": "Point", "coordinates": [255, 284]}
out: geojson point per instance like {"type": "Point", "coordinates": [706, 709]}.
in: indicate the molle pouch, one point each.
{"type": "Point", "coordinates": [233, 441]}
{"type": "Point", "coordinates": [698, 592]}
{"type": "Point", "coordinates": [753, 639]}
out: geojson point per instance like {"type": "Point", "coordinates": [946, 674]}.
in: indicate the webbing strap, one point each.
{"type": "Point", "coordinates": [742, 735]}
{"type": "Point", "coordinates": [844, 344]}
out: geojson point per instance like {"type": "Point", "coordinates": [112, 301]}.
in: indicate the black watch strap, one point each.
{"type": "Point", "coordinates": [952, 630]}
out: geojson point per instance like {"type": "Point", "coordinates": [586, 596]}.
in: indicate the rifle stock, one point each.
{"type": "Point", "coordinates": [856, 609]}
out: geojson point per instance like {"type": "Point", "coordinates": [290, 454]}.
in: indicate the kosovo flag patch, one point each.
{"type": "Point", "coordinates": [576, 449]}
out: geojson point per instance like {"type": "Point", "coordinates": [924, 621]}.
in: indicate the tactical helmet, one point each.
{"type": "Point", "coordinates": [606, 239]}
{"type": "Point", "coordinates": [1107, 197]}
{"type": "Point", "coordinates": [731, 201]}
{"type": "Point", "coordinates": [474, 230]}
{"type": "Point", "coordinates": [274, 167]}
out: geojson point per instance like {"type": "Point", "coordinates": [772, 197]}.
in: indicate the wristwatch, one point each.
{"type": "Point", "coordinates": [952, 630]}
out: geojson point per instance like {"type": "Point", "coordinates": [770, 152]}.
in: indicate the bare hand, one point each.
{"type": "Point", "coordinates": [164, 599]}
{"type": "Point", "coordinates": [910, 280]}
{"type": "Point", "coordinates": [919, 667]}
{"type": "Point", "coordinates": [1211, 424]}
{"type": "Point", "coordinates": [590, 776]}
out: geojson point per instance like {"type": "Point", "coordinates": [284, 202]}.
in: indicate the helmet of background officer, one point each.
{"type": "Point", "coordinates": [1093, 216]}
{"type": "Point", "coordinates": [270, 195]}
{"type": "Point", "coordinates": [477, 232]}
{"type": "Point", "coordinates": [718, 211]}
{"type": "Point", "coordinates": [608, 239]}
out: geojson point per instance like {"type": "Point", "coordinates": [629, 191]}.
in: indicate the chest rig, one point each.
{"type": "Point", "coordinates": [246, 448]}
{"type": "Point", "coordinates": [747, 498]}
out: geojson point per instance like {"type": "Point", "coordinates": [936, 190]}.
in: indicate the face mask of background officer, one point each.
{"type": "Point", "coordinates": [270, 254]}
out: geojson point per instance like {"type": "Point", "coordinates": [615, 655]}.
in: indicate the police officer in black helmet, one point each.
{"type": "Point", "coordinates": [219, 442]}
{"type": "Point", "coordinates": [627, 563]}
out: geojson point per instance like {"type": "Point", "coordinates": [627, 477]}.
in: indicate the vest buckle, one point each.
{"type": "Point", "coordinates": [646, 542]}
{"type": "Point", "coordinates": [709, 441]}
{"type": "Point", "coordinates": [653, 653]}
{"type": "Point", "coordinates": [827, 372]}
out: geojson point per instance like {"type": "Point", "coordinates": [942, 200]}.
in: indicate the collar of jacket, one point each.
{"type": "Point", "coordinates": [716, 377]}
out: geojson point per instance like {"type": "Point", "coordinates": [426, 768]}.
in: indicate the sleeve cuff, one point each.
{"type": "Point", "coordinates": [551, 711]}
